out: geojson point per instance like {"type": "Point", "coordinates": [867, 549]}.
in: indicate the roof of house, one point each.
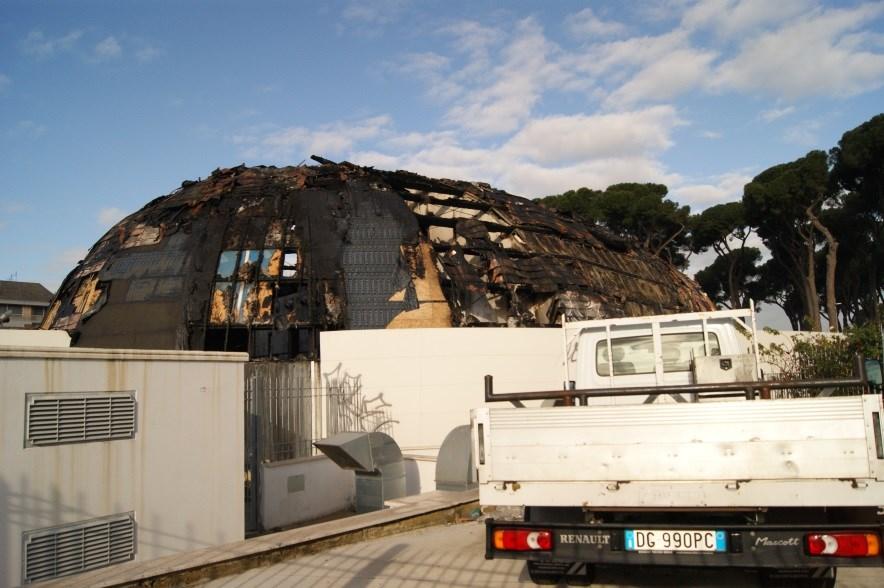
{"type": "Point", "coordinates": [24, 292]}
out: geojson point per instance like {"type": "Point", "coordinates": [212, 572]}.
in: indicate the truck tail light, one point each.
{"type": "Point", "coordinates": [844, 544]}
{"type": "Point", "coordinates": [522, 540]}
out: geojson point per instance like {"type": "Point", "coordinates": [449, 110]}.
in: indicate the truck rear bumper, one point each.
{"type": "Point", "coordinates": [771, 546]}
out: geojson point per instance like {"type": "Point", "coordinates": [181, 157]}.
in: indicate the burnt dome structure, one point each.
{"type": "Point", "coordinates": [261, 259]}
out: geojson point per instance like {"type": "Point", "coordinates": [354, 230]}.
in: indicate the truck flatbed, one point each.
{"type": "Point", "coordinates": [733, 454]}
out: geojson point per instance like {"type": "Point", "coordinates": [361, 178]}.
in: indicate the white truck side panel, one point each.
{"type": "Point", "coordinates": [685, 495]}
{"type": "Point", "coordinates": [775, 443]}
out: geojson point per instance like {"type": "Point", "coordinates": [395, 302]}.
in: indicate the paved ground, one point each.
{"type": "Point", "coordinates": [453, 556]}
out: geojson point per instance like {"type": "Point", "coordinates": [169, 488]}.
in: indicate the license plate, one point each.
{"type": "Point", "coordinates": [672, 540]}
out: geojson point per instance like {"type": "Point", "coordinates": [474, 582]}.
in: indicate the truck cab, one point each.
{"type": "Point", "coordinates": [658, 351]}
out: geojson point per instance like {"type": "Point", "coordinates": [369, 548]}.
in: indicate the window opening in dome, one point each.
{"type": "Point", "coordinates": [248, 264]}
{"type": "Point", "coordinates": [246, 285]}
{"type": "Point", "coordinates": [221, 297]}
{"type": "Point", "coordinates": [243, 302]}
{"type": "Point", "coordinates": [226, 265]}
{"type": "Point", "coordinates": [270, 260]}
{"type": "Point", "coordinates": [290, 265]}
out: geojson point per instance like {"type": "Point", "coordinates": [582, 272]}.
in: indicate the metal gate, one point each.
{"type": "Point", "coordinates": [280, 401]}
{"type": "Point", "coordinates": [290, 404]}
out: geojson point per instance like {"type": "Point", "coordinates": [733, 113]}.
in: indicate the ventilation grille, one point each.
{"type": "Point", "coordinates": [73, 418]}
{"type": "Point", "coordinates": [71, 549]}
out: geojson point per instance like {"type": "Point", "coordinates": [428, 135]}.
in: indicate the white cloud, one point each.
{"type": "Point", "coordinates": [519, 176]}
{"type": "Point", "coordinates": [5, 82]}
{"type": "Point", "coordinates": [413, 141]}
{"type": "Point", "coordinates": [609, 58]}
{"type": "Point", "coordinates": [423, 63]}
{"type": "Point", "coordinates": [495, 80]}
{"type": "Point", "coordinates": [107, 217]}
{"type": "Point", "coordinates": [818, 55]}
{"type": "Point", "coordinates": [727, 187]}
{"type": "Point", "coordinates": [375, 159]}
{"type": "Point", "coordinates": [331, 140]}
{"type": "Point", "coordinates": [475, 42]}
{"type": "Point", "coordinates": [549, 155]}
{"type": "Point", "coordinates": [527, 179]}
{"type": "Point", "coordinates": [788, 49]}
{"type": "Point", "coordinates": [586, 25]}
{"type": "Point", "coordinates": [432, 69]}
{"type": "Point", "coordinates": [731, 18]}
{"type": "Point", "coordinates": [571, 139]}
{"type": "Point", "coordinates": [667, 77]}
{"type": "Point", "coordinates": [472, 37]}
{"type": "Point", "coordinates": [513, 88]}
{"type": "Point", "coordinates": [36, 44]}
{"type": "Point", "coordinates": [108, 48]}
{"type": "Point", "coordinates": [776, 113]}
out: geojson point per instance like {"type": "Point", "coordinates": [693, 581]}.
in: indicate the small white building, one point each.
{"type": "Point", "coordinates": [116, 455]}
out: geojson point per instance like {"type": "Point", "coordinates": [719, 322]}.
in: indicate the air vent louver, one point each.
{"type": "Point", "coordinates": [53, 419]}
{"type": "Point", "coordinates": [78, 547]}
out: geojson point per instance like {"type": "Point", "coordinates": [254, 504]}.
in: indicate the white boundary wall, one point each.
{"type": "Point", "coordinates": [182, 473]}
{"type": "Point", "coordinates": [34, 338]}
{"type": "Point", "coordinates": [300, 490]}
{"type": "Point", "coordinates": [297, 491]}
{"type": "Point", "coordinates": [431, 378]}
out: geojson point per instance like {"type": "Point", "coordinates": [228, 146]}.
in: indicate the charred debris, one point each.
{"type": "Point", "coordinates": [261, 259]}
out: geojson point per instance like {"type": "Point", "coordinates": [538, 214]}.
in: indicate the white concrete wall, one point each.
{"type": "Point", "coordinates": [431, 378]}
{"type": "Point", "coordinates": [182, 474]}
{"type": "Point", "coordinates": [301, 490]}
{"type": "Point", "coordinates": [420, 474]}
{"type": "Point", "coordinates": [34, 338]}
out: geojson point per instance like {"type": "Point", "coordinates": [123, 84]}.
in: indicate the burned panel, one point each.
{"type": "Point", "coordinates": [261, 259]}
{"type": "Point", "coordinates": [508, 261]}
{"type": "Point", "coordinates": [373, 263]}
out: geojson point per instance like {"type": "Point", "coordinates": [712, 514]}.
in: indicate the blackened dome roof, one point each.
{"type": "Point", "coordinates": [263, 258]}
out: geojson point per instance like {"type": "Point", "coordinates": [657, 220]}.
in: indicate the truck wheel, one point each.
{"type": "Point", "coordinates": [546, 572]}
{"type": "Point", "coordinates": [814, 578]}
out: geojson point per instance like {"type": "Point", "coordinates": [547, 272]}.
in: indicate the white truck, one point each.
{"type": "Point", "coordinates": [668, 448]}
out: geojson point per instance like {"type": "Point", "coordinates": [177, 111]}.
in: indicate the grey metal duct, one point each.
{"type": "Point", "coordinates": [455, 469]}
{"type": "Point", "coordinates": [377, 461]}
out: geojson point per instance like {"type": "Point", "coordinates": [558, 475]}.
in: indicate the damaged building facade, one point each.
{"type": "Point", "coordinates": [261, 259]}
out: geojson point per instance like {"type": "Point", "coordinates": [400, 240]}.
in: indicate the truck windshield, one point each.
{"type": "Point", "coordinates": [635, 355]}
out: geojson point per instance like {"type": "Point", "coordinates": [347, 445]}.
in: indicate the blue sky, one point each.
{"type": "Point", "coordinates": [106, 105]}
